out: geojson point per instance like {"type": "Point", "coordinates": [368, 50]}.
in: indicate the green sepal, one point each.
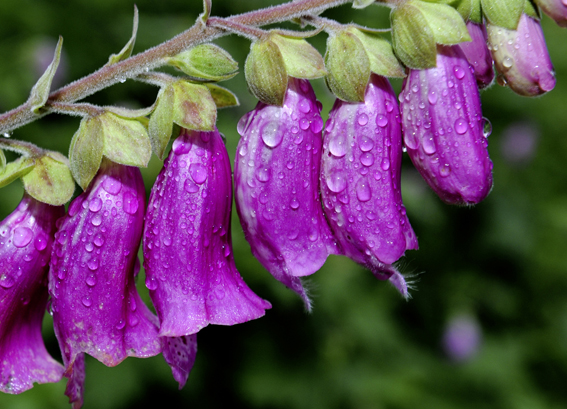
{"type": "Point", "coordinates": [16, 169]}
{"type": "Point", "coordinates": [476, 12]}
{"type": "Point", "coordinates": [161, 121]}
{"type": "Point", "coordinates": [223, 97]}
{"type": "Point", "coordinates": [2, 161]}
{"type": "Point", "coordinates": [348, 66]}
{"type": "Point", "coordinates": [412, 38]}
{"type": "Point", "coordinates": [503, 13]}
{"type": "Point", "coordinates": [463, 7]}
{"type": "Point", "coordinates": [42, 88]}
{"type": "Point", "coordinates": [122, 112]}
{"type": "Point", "coordinates": [125, 141]}
{"type": "Point", "coordinates": [127, 50]}
{"type": "Point", "coordinates": [380, 54]}
{"type": "Point", "coordinates": [206, 62]}
{"type": "Point", "coordinates": [265, 72]}
{"type": "Point", "coordinates": [446, 23]}
{"type": "Point", "coordinates": [301, 59]}
{"type": "Point", "coordinates": [85, 151]}
{"type": "Point", "coordinates": [360, 4]}
{"type": "Point", "coordinates": [194, 107]}
{"type": "Point", "coordinates": [50, 181]}
{"type": "Point", "coordinates": [531, 10]}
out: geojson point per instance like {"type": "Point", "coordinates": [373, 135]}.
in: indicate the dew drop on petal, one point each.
{"type": "Point", "coordinates": [486, 127]}
{"type": "Point", "coordinates": [95, 205]}
{"type": "Point", "coordinates": [461, 126]}
{"type": "Point", "coordinates": [362, 119]}
{"type": "Point", "coordinates": [365, 143]}
{"type": "Point", "coordinates": [270, 134]}
{"type": "Point", "coordinates": [91, 280]}
{"type": "Point", "coordinates": [367, 159]}
{"type": "Point", "coordinates": [445, 170]}
{"type": "Point", "coordinates": [428, 145]}
{"type": "Point", "coordinates": [40, 242]}
{"type": "Point", "coordinates": [385, 165]}
{"type": "Point", "coordinates": [180, 146]}
{"type": "Point", "coordinates": [294, 204]}
{"type": "Point", "coordinates": [459, 72]}
{"type": "Point", "coordinates": [151, 283]}
{"type": "Point", "coordinates": [316, 124]}
{"type": "Point", "coordinates": [190, 187]}
{"type": "Point", "coordinates": [305, 106]}
{"type": "Point", "coordinates": [381, 120]}
{"type": "Point", "coordinates": [92, 264]}
{"type": "Point", "coordinates": [363, 192]}
{"type": "Point", "coordinates": [336, 182]}
{"type": "Point", "coordinates": [87, 302]}
{"type": "Point", "coordinates": [98, 240]}
{"type": "Point", "coordinates": [96, 220]}
{"type": "Point", "coordinates": [198, 172]}
{"type": "Point", "coordinates": [130, 203]}
{"type": "Point", "coordinates": [22, 236]}
{"type": "Point", "coordinates": [111, 185]}
{"type": "Point", "coordinates": [263, 174]}
{"type": "Point", "coordinates": [6, 281]}
{"type": "Point", "coordinates": [432, 97]}
{"type": "Point", "coordinates": [337, 146]}
{"type": "Point", "coordinates": [304, 124]}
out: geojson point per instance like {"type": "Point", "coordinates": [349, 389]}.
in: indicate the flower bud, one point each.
{"type": "Point", "coordinates": [96, 307]}
{"type": "Point", "coordinates": [26, 236]}
{"type": "Point", "coordinates": [443, 129]}
{"type": "Point", "coordinates": [360, 179]}
{"type": "Point", "coordinates": [189, 262]}
{"type": "Point", "coordinates": [478, 55]}
{"type": "Point", "coordinates": [556, 9]}
{"type": "Point", "coordinates": [521, 57]}
{"type": "Point", "coordinates": [277, 186]}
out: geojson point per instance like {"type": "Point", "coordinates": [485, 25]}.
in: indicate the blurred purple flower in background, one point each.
{"type": "Point", "coordinates": [462, 338]}
{"type": "Point", "coordinates": [518, 143]}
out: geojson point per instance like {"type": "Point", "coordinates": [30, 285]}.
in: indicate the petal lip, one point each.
{"type": "Point", "coordinates": [190, 269]}
{"type": "Point", "coordinates": [360, 179]}
{"type": "Point", "coordinates": [26, 237]}
{"type": "Point", "coordinates": [96, 307]}
{"type": "Point", "coordinates": [277, 186]}
{"type": "Point", "coordinates": [443, 129]}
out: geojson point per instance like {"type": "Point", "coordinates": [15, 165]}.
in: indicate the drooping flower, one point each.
{"type": "Point", "coordinates": [277, 186]}
{"type": "Point", "coordinates": [26, 237]}
{"type": "Point", "coordinates": [360, 181]}
{"type": "Point", "coordinates": [521, 57]}
{"type": "Point", "coordinates": [556, 9]}
{"type": "Point", "coordinates": [478, 55]}
{"type": "Point", "coordinates": [190, 269]}
{"type": "Point", "coordinates": [96, 307]}
{"type": "Point", "coordinates": [443, 129]}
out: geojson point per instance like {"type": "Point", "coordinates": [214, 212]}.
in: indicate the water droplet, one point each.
{"type": "Point", "coordinates": [92, 264]}
{"type": "Point", "coordinates": [316, 124]}
{"type": "Point", "coordinates": [190, 187]}
{"type": "Point", "coordinates": [219, 293]}
{"type": "Point", "coordinates": [410, 140]}
{"type": "Point", "coordinates": [507, 62]}
{"type": "Point", "coordinates": [461, 126]}
{"type": "Point", "coordinates": [130, 203]}
{"type": "Point", "coordinates": [89, 247]}
{"type": "Point", "coordinates": [111, 185]}
{"type": "Point", "coordinates": [87, 302]}
{"type": "Point", "coordinates": [313, 236]}
{"type": "Point", "coordinates": [428, 145]}
{"type": "Point", "coordinates": [96, 220]}
{"type": "Point", "coordinates": [95, 205]}
{"type": "Point", "coordinates": [120, 325]}
{"type": "Point", "coordinates": [98, 240]}
{"type": "Point", "coordinates": [459, 72]}
{"type": "Point", "coordinates": [304, 124]}
{"type": "Point", "coordinates": [243, 123]}
{"type": "Point", "coordinates": [270, 134]}
{"type": "Point", "coordinates": [294, 204]}
{"type": "Point", "coordinates": [198, 172]}
{"type": "Point", "coordinates": [385, 165]}
{"type": "Point", "coordinates": [445, 170]}
{"type": "Point", "coordinates": [6, 281]}
{"type": "Point", "coordinates": [243, 150]}
{"type": "Point", "coordinates": [363, 192]}
{"type": "Point", "coordinates": [91, 280]}
{"type": "Point", "coordinates": [22, 236]}
{"type": "Point", "coordinates": [362, 119]}
{"type": "Point", "coordinates": [337, 146]}
{"type": "Point", "coordinates": [336, 182]}
{"type": "Point", "coordinates": [167, 240]}
{"type": "Point", "coordinates": [263, 174]}
{"type": "Point", "coordinates": [40, 242]}
{"type": "Point", "coordinates": [305, 106]}
{"type": "Point", "coordinates": [367, 159]}
{"type": "Point", "coordinates": [381, 120]}
{"type": "Point", "coordinates": [133, 320]}
{"type": "Point", "coordinates": [486, 127]}
{"type": "Point", "coordinates": [151, 283]}
{"type": "Point", "coordinates": [365, 143]}
{"type": "Point", "coordinates": [432, 97]}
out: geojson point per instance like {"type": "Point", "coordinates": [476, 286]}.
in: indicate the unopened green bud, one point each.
{"type": "Point", "coordinates": [85, 151]}
{"type": "Point", "coordinates": [206, 62]}
{"type": "Point", "coordinates": [266, 73]}
{"type": "Point", "coordinates": [300, 58]}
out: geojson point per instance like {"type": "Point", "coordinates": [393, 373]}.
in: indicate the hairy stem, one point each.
{"type": "Point", "coordinates": [156, 56]}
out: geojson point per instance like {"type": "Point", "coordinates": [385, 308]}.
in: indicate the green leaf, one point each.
{"type": "Point", "coordinates": [161, 121]}
{"type": "Point", "coordinates": [265, 72]}
{"type": "Point", "coordinates": [50, 181]}
{"type": "Point", "coordinates": [126, 141]}
{"type": "Point", "coordinates": [476, 12]}
{"type": "Point", "coordinates": [446, 23]}
{"type": "Point", "coordinates": [16, 169]}
{"type": "Point", "coordinates": [348, 66]}
{"type": "Point", "coordinates": [194, 107]}
{"type": "Point", "coordinates": [85, 151]}
{"type": "Point", "coordinates": [2, 161]}
{"type": "Point", "coordinates": [206, 62]}
{"type": "Point", "coordinates": [360, 4]}
{"type": "Point", "coordinates": [40, 91]}
{"type": "Point", "coordinates": [127, 50]}
{"type": "Point", "coordinates": [412, 38]}
{"type": "Point", "coordinates": [301, 59]}
{"type": "Point", "coordinates": [380, 54]}
{"type": "Point", "coordinates": [223, 97]}
{"type": "Point", "coordinates": [503, 13]}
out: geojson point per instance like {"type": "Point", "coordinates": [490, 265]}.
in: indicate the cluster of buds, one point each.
{"type": "Point", "coordinates": [303, 189]}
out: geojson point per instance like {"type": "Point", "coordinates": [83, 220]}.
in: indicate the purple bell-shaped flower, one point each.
{"type": "Point", "coordinates": [26, 237]}
{"type": "Point", "coordinates": [189, 262]}
{"type": "Point", "coordinates": [277, 186]}
{"type": "Point", "coordinates": [443, 129]}
{"type": "Point", "coordinates": [478, 55]}
{"type": "Point", "coordinates": [360, 181]}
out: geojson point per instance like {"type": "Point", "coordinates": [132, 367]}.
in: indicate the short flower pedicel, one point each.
{"type": "Point", "coordinates": [189, 263]}
{"type": "Point", "coordinates": [26, 236]}
{"type": "Point", "coordinates": [443, 129]}
{"type": "Point", "coordinates": [277, 186]}
{"type": "Point", "coordinates": [360, 181]}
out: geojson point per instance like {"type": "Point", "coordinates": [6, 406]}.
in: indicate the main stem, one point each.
{"type": "Point", "coordinates": [157, 56]}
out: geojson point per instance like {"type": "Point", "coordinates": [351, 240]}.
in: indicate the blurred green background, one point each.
{"type": "Point", "coordinates": [494, 275]}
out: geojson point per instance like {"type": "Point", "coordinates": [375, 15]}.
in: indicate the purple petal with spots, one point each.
{"type": "Point", "coordinates": [96, 307]}
{"type": "Point", "coordinates": [443, 129]}
{"type": "Point", "coordinates": [277, 186]}
{"type": "Point", "coordinates": [360, 181]}
{"type": "Point", "coordinates": [478, 55]}
{"type": "Point", "coordinates": [180, 354]}
{"type": "Point", "coordinates": [75, 388]}
{"type": "Point", "coordinates": [26, 237]}
{"type": "Point", "coordinates": [189, 262]}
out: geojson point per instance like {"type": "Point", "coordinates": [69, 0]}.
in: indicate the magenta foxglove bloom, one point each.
{"type": "Point", "coordinates": [556, 9]}
{"type": "Point", "coordinates": [277, 186]}
{"type": "Point", "coordinates": [189, 262]}
{"type": "Point", "coordinates": [26, 237]}
{"type": "Point", "coordinates": [443, 129]}
{"type": "Point", "coordinates": [96, 307]}
{"type": "Point", "coordinates": [478, 55]}
{"type": "Point", "coordinates": [360, 181]}
{"type": "Point", "coordinates": [521, 57]}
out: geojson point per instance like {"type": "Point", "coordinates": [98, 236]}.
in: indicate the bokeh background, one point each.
{"type": "Point", "coordinates": [491, 281]}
